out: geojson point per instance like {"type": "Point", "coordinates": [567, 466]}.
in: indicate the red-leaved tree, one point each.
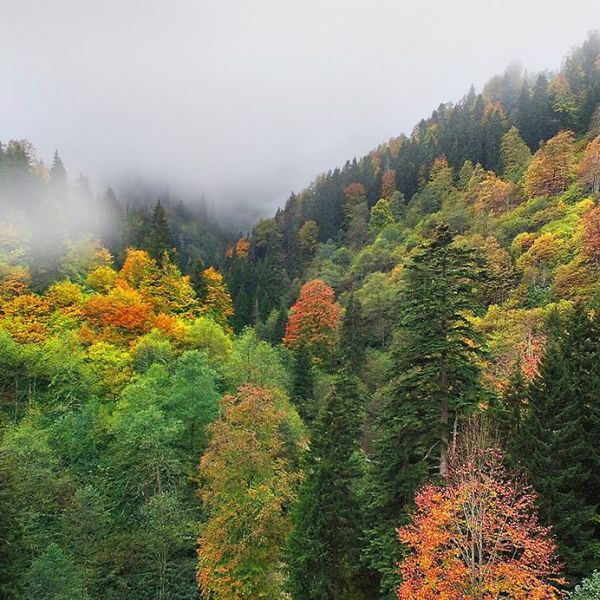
{"type": "Point", "coordinates": [477, 537]}
{"type": "Point", "coordinates": [314, 319]}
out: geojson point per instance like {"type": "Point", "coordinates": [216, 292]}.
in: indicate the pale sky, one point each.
{"type": "Point", "coordinates": [246, 101]}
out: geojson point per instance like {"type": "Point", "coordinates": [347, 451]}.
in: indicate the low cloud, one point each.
{"type": "Point", "coordinates": [241, 102]}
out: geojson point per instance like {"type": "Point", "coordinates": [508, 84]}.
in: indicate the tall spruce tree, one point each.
{"type": "Point", "coordinates": [324, 547]}
{"type": "Point", "coordinates": [159, 239]}
{"type": "Point", "coordinates": [279, 328]}
{"type": "Point", "coordinates": [582, 342]}
{"type": "Point", "coordinates": [303, 384]}
{"type": "Point", "coordinates": [352, 342]}
{"type": "Point", "coordinates": [58, 173]}
{"type": "Point", "coordinates": [544, 122]}
{"type": "Point", "coordinates": [556, 439]}
{"type": "Point", "coordinates": [435, 380]}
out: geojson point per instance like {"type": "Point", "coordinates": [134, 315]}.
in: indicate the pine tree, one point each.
{"type": "Point", "coordinates": [324, 545]}
{"type": "Point", "coordinates": [554, 446]}
{"type": "Point", "coordinates": [279, 328]}
{"type": "Point", "coordinates": [159, 240]}
{"type": "Point", "coordinates": [507, 411]}
{"type": "Point", "coordinates": [435, 380]}
{"type": "Point", "coordinates": [494, 128]}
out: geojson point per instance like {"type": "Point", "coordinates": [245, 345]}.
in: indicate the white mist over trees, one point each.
{"type": "Point", "coordinates": [246, 101]}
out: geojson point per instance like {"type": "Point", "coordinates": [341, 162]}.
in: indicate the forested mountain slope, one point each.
{"type": "Point", "coordinates": [390, 390]}
{"type": "Point", "coordinates": [466, 165]}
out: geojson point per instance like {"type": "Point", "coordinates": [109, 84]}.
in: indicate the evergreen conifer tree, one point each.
{"type": "Point", "coordinates": [352, 336]}
{"type": "Point", "coordinates": [324, 546]}
{"type": "Point", "coordinates": [554, 445]}
{"type": "Point", "coordinates": [58, 173]}
{"type": "Point", "coordinates": [158, 239]}
{"type": "Point", "coordinates": [435, 380]}
{"type": "Point", "coordinates": [279, 328]}
{"type": "Point", "coordinates": [303, 384]}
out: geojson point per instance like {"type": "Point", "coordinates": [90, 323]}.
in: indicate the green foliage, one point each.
{"type": "Point", "coordinates": [254, 441]}
{"type": "Point", "coordinates": [381, 215]}
{"type": "Point", "coordinates": [208, 336]}
{"type": "Point", "coordinates": [54, 576]}
{"type": "Point", "coordinates": [352, 336]}
{"type": "Point", "coordinates": [557, 440]}
{"type": "Point", "coordinates": [150, 349]}
{"type": "Point", "coordinates": [515, 155]}
{"type": "Point", "coordinates": [435, 380]}
{"type": "Point", "coordinates": [256, 362]}
{"type": "Point", "coordinates": [588, 589]}
{"type": "Point", "coordinates": [303, 384]}
{"type": "Point", "coordinates": [158, 239]}
{"type": "Point", "coordinates": [100, 436]}
{"type": "Point", "coordinates": [324, 547]}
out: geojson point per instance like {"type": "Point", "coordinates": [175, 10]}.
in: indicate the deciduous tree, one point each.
{"type": "Point", "coordinates": [552, 168]}
{"type": "Point", "coordinates": [478, 535]}
{"type": "Point", "coordinates": [589, 169]}
{"type": "Point", "coordinates": [247, 481]}
{"type": "Point", "coordinates": [314, 320]}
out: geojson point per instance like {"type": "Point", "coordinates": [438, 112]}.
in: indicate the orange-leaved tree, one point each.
{"type": "Point", "coordinates": [119, 316]}
{"type": "Point", "coordinates": [314, 319]}
{"type": "Point", "coordinates": [552, 167]}
{"type": "Point", "coordinates": [216, 301]}
{"type": "Point", "coordinates": [477, 536]}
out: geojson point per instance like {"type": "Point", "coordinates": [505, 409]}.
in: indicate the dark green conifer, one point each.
{"type": "Point", "coordinates": [197, 280]}
{"type": "Point", "coordinates": [279, 328]}
{"type": "Point", "coordinates": [159, 239]}
{"type": "Point", "coordinates": [352, 336]}
{"type": "Point", "coordinates": [554, 446]}
{"type": "Point", "coordinates": [303, 384]}
{"type": "Point", "coordinates": [325, 543]}
{"type": "Point", "coordinates": [435, 380]}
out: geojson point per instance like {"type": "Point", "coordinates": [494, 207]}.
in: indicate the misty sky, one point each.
{"type": "Point", "coordinates": [248, 100]}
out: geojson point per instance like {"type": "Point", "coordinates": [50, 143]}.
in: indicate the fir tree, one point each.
{"type": "Point", "coordinates": [554, 446]}
{"type": "Point", "coordinates": [158, 239]}
{"type": "Point", "coordinates": [435, 380]}
{"type": "Point", "coordinates": [352, 336]}
{"type": "Point", "coordinates": [495, 128]}
{"type": "Point", "coordinates": [507, 411]}
{"type": "Point", "coordinates": [523, 117]}
{"type": "Point", "coordinates": [303, 384]}
{"type": "Point", "coordinates": [279, 328]}
{"type": "Point", "coordinates": [324, 545]}
{"type": "Point", "coordinates": [197, 279]}
{"type": "Point", "coordinates": [583, 349]}
{"type": "Point", "coordinates": [58, 173]}
{"type": "Point", "coordinates": [544, 123]}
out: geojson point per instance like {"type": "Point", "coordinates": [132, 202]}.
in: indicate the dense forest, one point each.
{"type": "Point", "coordinates": [390, 389]}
